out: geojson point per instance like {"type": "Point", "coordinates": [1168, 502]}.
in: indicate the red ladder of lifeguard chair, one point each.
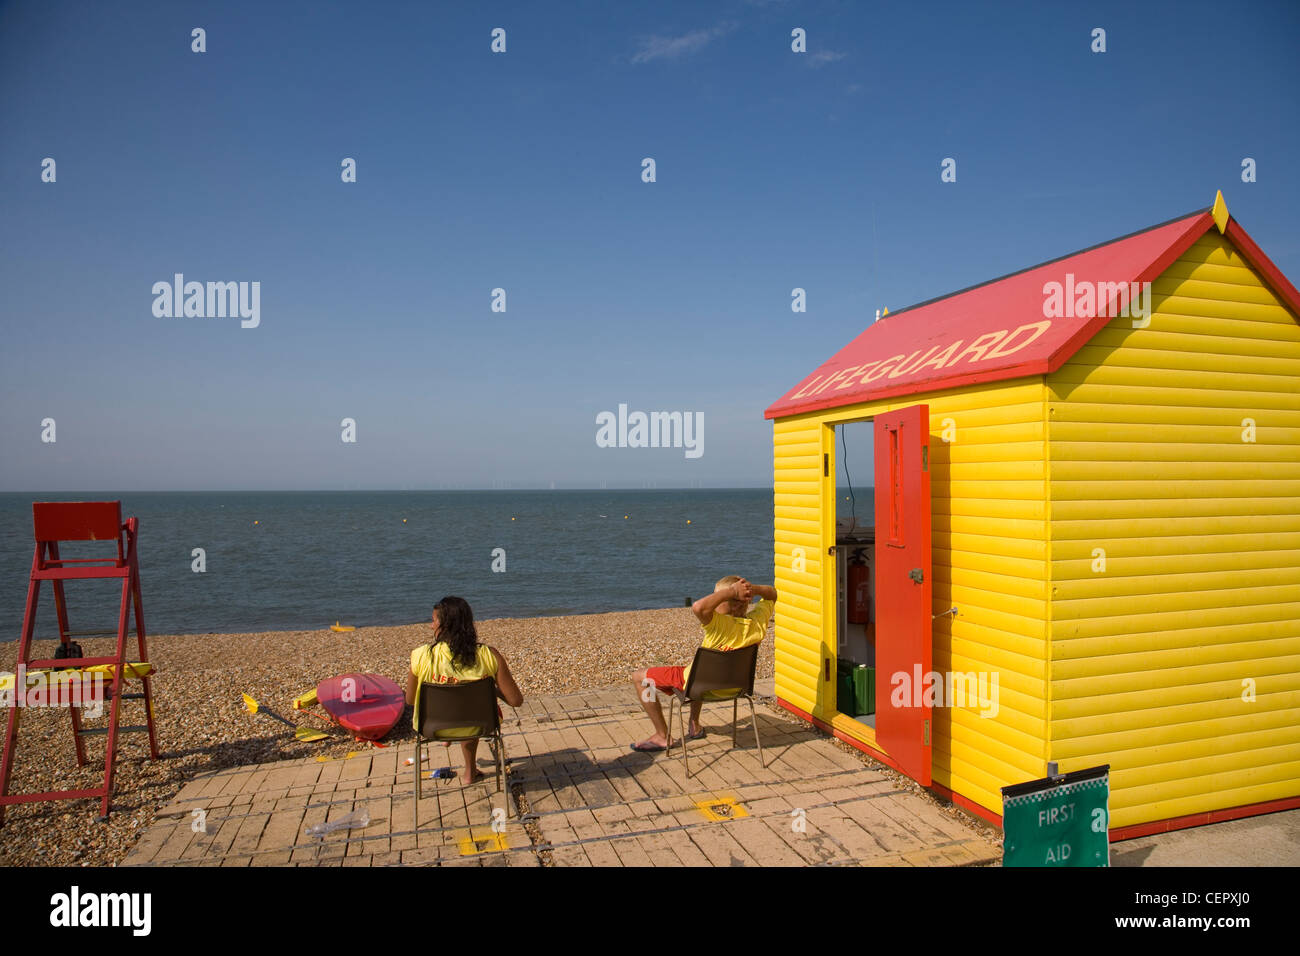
{"type": "Point", "coordinates": [82, 521]}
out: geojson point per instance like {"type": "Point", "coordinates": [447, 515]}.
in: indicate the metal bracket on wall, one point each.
{"type": "Point", "coordinates": [952, 610]}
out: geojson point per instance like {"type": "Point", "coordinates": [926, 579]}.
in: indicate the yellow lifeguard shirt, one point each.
{"type": "Point", "coordinates": [727, 633]}
{"type": "Point", "coordinates": [433, 664]}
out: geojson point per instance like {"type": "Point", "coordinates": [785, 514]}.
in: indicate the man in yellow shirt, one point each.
{"type": "Point", "coordinates": [729, 625]}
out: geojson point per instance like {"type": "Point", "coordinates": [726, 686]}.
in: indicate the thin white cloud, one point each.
{"type": "Point", "coordinates": [822, 57]}
{"type": "Point", "coordinates": [670, 48]}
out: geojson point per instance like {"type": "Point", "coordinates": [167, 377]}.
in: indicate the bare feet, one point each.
{"type": "Point", "coordinates": [472, 776]}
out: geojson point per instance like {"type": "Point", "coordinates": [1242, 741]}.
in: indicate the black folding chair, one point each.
{"type": "Point", "coordinates": [454, 713]}
{"type": "Point", "coordinates": [718, 675]}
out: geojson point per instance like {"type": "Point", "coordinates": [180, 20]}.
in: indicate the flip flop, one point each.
{"type": "Point", "coordinates": [698, 735]}
{"type": "Point", "coordinates": [647, 748]}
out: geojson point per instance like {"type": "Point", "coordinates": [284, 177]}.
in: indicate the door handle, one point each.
{"type": "Point", "coordinates": [916, 575]}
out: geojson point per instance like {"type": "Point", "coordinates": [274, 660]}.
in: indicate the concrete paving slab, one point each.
{"type": "Point", "coordinates": [1269, 840]}
{"type": "Point", "coordinates": [586, 800]}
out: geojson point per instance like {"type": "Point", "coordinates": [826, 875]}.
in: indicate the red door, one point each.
{"type": "Point", "coordinates": [903, 622]}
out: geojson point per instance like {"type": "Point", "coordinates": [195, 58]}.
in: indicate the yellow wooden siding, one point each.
{"type": "Point", "coordinates": [1198, 605]}
{"type": "Point", "coordinates": [798, 534]}
{"type": "Point", "coordinates": [990, 558]}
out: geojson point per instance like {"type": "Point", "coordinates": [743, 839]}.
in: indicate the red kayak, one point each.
{"type": "Point", "coordinates": [366, 704]}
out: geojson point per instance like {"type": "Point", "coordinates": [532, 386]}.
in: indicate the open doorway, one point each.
{"type": "Point", "coordinates": [855, 560]}
{"type": "Point", "coordinates": [884, 621]}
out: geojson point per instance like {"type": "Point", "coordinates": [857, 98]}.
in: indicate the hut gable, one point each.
{"type": "Point", "coordinates": [1027, 323]}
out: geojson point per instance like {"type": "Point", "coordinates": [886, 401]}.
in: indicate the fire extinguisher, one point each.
{"type": "Point", "coordinates": [859, 610]}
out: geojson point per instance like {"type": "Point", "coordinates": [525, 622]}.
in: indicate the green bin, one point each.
{"type": "Point", "coordinates": [846, 697]}
{"type": "Point", "coordinates": [864, 690]}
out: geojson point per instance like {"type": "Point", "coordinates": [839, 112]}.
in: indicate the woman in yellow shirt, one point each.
{"type": "Point", "coordinates": [456, 656]}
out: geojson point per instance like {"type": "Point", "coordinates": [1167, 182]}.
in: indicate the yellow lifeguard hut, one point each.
{"type": "Point", "coordinates": [1086, 541]}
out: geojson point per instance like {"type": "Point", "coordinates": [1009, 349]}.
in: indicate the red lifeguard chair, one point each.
{"type": "Point", "coordinates": [82, 521]}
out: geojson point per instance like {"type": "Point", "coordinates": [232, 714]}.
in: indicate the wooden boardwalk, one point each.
{"type": "Point", "coordinates": [579, 797]}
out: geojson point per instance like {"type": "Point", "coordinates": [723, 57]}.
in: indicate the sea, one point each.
{"type": "Point", "coordinates": [232, 562]}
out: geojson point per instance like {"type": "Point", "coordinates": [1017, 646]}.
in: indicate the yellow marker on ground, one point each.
{"type": "Point", "coordinates": [483, 840]}
{"type": "Point", "coordinates": [721, 808]}
{"type": "Point", "coordinates": [336, 626]}
{"type": "Point", "coordinates": [348, 756]}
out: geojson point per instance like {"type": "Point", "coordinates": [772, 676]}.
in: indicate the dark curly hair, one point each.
{"type": "Point", "coordinates": [458, 631]}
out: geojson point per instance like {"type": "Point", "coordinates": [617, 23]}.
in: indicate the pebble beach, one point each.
{"type": "Point", "coordinates": [202, 723]}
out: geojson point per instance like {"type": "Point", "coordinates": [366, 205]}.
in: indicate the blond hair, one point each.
{"type": "Point", "coordinates": [726, 582]}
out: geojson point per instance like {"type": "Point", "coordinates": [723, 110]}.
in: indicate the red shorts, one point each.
{"type": "Point", "coordinates": [667, 678]}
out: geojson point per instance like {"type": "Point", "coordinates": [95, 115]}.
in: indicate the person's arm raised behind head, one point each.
{"type": "Point", "coordinates": [705, 606]}
{"type": "Point", "coordinates": [764, 592]}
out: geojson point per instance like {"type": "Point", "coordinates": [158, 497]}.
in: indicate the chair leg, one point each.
{"type": "Point", "coordinates": [672, 708]}
{"type": "Point", "coordinates": [504, 772]}
{"type": "Point", "coordinates": [683, 720]}
{"type": "Point", "coordinates": [415, 821]}
{"type": "Point", "coordinates": [753, 718]}
{"type": "Point", "coordinates": [437, 788]}
{"type": "Point", "coordinates": [735, 702]}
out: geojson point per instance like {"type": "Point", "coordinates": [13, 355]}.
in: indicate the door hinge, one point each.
{"type": "Point", "coordinates": [925, 457]}
{"type": "Point", "coordinates": [828, 668]}
{"type": "Point", "coordinates": [925, 734]}
{"type": "Point", "coordinates": [826, 465]}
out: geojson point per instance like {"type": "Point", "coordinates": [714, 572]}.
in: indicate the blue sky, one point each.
{"type": "Point", "coordinates": [522, 171]}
